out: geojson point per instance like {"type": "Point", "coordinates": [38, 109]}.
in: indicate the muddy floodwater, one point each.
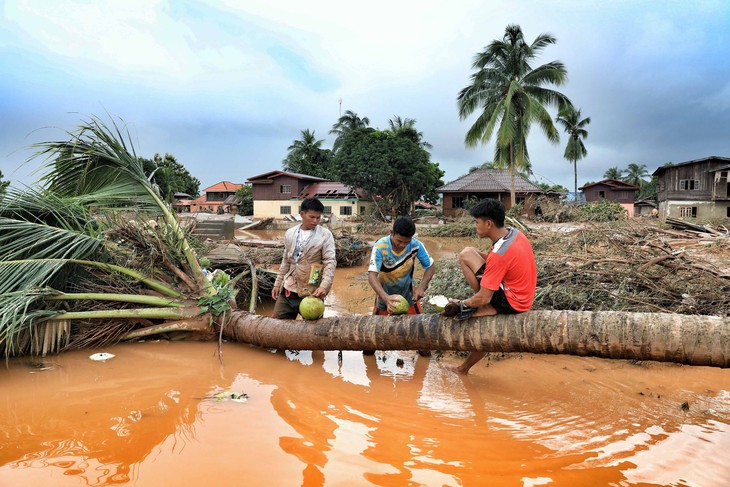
{"type": "Point", "coordinates": [169, 413]}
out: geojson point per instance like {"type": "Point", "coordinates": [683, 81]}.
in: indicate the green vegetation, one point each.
{"type": "Point", "coordinates": [510, 96]}
{"type": "Point", "coordinates": [306, 156]}
{"type": "Point", "coordinates": [390, 165]}
{"type": "Point", "coordinates": [93, 242]}
{"type": "Point", "coordinates": [572, 124]}
{"type": "Point", "coordinates": [170, 177]}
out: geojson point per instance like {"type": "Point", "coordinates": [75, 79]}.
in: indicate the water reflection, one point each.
{"type": "Point", "coordinates": [329, 418]}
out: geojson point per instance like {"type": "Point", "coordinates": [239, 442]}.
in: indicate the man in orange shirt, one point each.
{"type": "Point", "coordinates": [503, 279]}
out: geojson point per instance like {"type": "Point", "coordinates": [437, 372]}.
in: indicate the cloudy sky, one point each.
{"type": "Point", "coordinates": [227, 85]}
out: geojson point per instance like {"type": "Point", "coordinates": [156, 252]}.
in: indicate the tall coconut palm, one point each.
{"type": "Point", "coordinates": [346, 123]}
{"type": "Point", "coordinates": [511, 95]}
{"type": "Point", "coordinates": [636, 174]}
{"type": "Point", "coordinates": [572, 125]}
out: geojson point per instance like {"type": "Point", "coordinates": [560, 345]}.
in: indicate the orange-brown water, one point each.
{"type": "Point", "coordinates": [148, 417]}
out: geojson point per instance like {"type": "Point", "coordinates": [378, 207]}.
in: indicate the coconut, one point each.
{"type": "Point", "coordinates": [402, 307]}
{"type": "Point", "coordinates": [311, 308]}
{"type": "Point", "coordinates": [438, 302]}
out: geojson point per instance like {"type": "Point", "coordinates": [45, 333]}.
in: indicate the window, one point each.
{"type": "Point", "coordinates": [362, 210]}
{"type": "Point", "coordinates": [327, 210]}
{"type": "Point", "coordinates": [688, 211]}
{"type": "Point", "coordinates": [345, 210]}
{"type": "Point", "coordinates": [457, 202]}
{"type": "Point", "coordinates": [285, 210]}
{"type": "Point", "coordinates": [727, 211]}
{"type": "Point", "coordinates": [602, 194]}
{"type": "Point", "coordinates": [689, 184]}
{"type": "Point", "coordinates": [285, 189]}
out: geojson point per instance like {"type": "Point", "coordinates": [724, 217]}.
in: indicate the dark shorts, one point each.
{"type": "Point", "coordinates": [500, 303]}
{"type": "Point", "coordinates": [499, 300]}
{"type": "Point", "coordinates": [287, 305]}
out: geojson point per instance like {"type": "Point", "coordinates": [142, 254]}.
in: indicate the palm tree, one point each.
{"type": "Point", "coordinates": [306, 156]}
{"type": "Point", "coordinates": [572, 124]}
{"type": "Point", "coordinates": [613, 173]}
{"type": "Point", "coordinates": [71, 251]}
{"type": "Point", "coordinates": [77, 270]}
{"type": "Point", "coordinates": [346, 123]}
{"type": "Point", "coordinates": [688, 339]}
{"type": "Point", "coordinates": [511, 96]}
{"type": "Point", "coordinates": [636, 174]}
{"type": "Point", "coordinates": [406, 127]}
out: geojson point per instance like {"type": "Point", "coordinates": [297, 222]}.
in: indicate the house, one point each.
{"type": "Point", "coordinates": [615, 190]}
{"type": "Point", "coordinates": [695, 189]}
{"type": "Point", "coordinates": [279, 193]}
{"type": "Point", "coordinates": [644, 208]}
{"type": "Point", "coordinates": [213, 199]}
{"type": "Point", "coordinates": [488, 183]}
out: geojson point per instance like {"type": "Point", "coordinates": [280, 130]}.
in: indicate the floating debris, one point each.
{"type": "Point", "coordinates": [228, 396]}
{"type": "Point", "coordinates": [101, 357]}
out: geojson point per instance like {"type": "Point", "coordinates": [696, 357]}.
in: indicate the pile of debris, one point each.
{"type": "Point", "coordinates": [631, 266]}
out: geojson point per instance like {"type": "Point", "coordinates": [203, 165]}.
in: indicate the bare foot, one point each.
{"type": "Point", "coordinates": [453, 368]}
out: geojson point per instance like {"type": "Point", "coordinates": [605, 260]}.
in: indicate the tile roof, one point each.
{"type": "Point", "coordinates": [224, 186]}
{"type": "Point", "coordinates": [489, 180]}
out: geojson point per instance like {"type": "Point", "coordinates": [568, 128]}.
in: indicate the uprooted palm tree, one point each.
{"type": "Point", "coordinates": [93, 255]}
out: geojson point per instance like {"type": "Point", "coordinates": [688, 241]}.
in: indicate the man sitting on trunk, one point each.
{"type": "Point", "coordinates": [504, 279]}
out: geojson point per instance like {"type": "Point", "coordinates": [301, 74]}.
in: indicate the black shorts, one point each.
{"type": "Point", "coordinates": [500, 303]}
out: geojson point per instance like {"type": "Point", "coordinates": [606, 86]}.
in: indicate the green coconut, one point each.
{"type": "Point", "coordinates": [402, 307]}
{"type": "Point", "coordinates": [311, 308]}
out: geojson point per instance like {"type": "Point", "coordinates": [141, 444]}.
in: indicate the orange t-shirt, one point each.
{"type": "Point", "coordinates": [511, 266]}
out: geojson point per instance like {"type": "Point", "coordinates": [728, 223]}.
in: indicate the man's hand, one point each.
{"type": "Point", "coordinates": [418, 294]}
{"type": "Point", "coordinates": [320, 293]}
{"type": "Point", "coordinates": [275, 293]}
{"type": "Point", "coordinates": [393, 301]}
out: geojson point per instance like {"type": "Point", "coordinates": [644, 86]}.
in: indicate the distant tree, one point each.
{"type": "Point", "coordinates": [3, 185]}
{"type": "Point", "coordinates": [170, 176]}
{"type": "Point", "coordinates": [649, 190]}
{"type": "Point", "coordinates": [391, 167]}
{"type": "Point", "coordinates": [636, 174]}
{"type": "Point", "coordinates": [345, 124]}
{"type": "Point", "coordinates": [246, 195]}
{"type": "Point", "coordinates": [406, 127]}
{"type": "Point", "coordinates": [306, 156]}
{"type": "Point", "coordinates": [553, 187]}
{"type": "Point", "coordinates": [511, 96]}
{"type": "Point", "coordinates": [613, 173]}
{"type": "Point", "coordinates": [569, 118]}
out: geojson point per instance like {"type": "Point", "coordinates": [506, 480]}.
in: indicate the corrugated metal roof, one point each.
{"type": "Point", "coordinates": [488, 181]}
{"type": "Point", "coordinates": [616, 184]}
{"type": "Point", "coordinates": [274, 174]}
{"type": "Point", "coordinates": [331, 189]}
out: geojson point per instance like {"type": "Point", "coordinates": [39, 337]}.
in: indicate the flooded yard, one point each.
{"type": "Point", "coordinates": [168, 413]}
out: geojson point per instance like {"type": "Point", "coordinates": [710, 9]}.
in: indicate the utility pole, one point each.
{"type": "Point", "coordinates": [340, 100]}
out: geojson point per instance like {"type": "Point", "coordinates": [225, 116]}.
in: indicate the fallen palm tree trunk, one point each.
{"type": "Point", "coordinates": [665, 337]}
